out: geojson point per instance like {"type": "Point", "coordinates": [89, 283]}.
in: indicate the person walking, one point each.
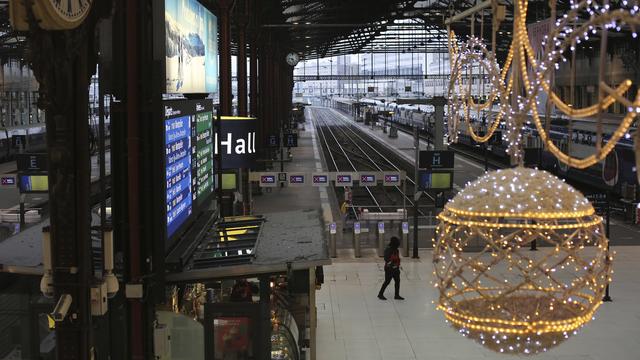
{"type": "Point", "coordinates": [391, 268]}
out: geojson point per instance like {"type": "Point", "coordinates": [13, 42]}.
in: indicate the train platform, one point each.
{"type": "Point", "coordinates": [305, 158]}
{"type": "Point", "coordinates": [35, 211]}
{"type": "Point", "coordinates": [354, 324]}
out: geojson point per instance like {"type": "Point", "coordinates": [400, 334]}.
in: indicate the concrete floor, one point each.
{"type": "Point", "coordinates": [353, 324]}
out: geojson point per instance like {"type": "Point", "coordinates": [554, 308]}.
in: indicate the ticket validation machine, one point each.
{"type": "Point", "coordinates": [405, 239]}
{"type": "Point", "coordinates": [380, 238]}
{"type": "Point", "coordinates": [356, 238]}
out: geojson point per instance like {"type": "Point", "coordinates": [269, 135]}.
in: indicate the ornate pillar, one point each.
{"type": "Point", "coordinates": [63, 62]}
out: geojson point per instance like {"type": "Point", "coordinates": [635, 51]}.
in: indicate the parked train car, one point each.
{"type": "Point", "coordinates": [29, 138]}
{"type": "Point", "coordinates": [620, 164]}
{"type": "Point", "coordinates": [615, 173]}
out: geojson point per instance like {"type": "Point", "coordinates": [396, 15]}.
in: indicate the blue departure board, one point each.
{"type": "Point", "coordinates": [178, 171]}
{"type": "Point", "coordinates": [189, 170]}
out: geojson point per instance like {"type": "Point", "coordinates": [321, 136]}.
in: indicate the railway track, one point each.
{"type": "Point", "coordinates": [346, 149]}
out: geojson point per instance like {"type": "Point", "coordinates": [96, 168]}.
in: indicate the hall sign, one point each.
{"type": "Point", "coordinates": [238, 142]}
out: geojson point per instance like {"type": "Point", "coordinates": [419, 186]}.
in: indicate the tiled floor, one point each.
{"type": "Point", "coordinates": [353, 324]}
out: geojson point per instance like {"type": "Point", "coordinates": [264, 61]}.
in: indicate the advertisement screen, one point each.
{"type": "Point", "coordinates": [188, 159]}
{"type": "Point", "coordinates": [191, 36]}
{"type": "Point", "coordinates": [233, 338]}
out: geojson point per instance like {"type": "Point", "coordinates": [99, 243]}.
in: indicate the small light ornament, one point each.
{"type": "Point", "coordinates": [496, 291]}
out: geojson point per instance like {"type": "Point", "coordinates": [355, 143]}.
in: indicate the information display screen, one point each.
{"type": "Point", "coordinates": [178, 172]}
{"type": "Point", "coordinates": [435, 180]}
{"type": "Point", "coordinates": [188, 159]}
{"type": "Point", "coordinates": [33, 183]}
{"type": "Point", "coordinates": [229, 181]}
{"type": "Point", "coordinates": [204, 155]}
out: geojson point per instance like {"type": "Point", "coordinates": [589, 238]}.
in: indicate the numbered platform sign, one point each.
{"type": "Point", "coordinates": [291, 140]}
{"type": "Point", "coordinates": [344, 179]}
{"type": "Point", "coordinates": [297, 179]}
{"type": "Point", "coordinates": [273, 141]}
{"type": "Point", "coordinates": [391, 179]}
{"type": "Point", "coordinates": [320, 179]}
{"type": "Point", "coordinates": [368, 179]}
{"type": "Point", "coordinates": [268, 180]}
{"type": "Point", "coordinates": [8, 181]}
{"type": "Point", "coordinates": [436, 159]}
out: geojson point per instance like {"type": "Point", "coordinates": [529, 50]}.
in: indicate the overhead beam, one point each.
{"type": "Point", "coordinates": [483, 5]}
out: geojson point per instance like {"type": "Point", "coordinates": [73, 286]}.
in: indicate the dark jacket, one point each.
{"type": "Point", "coordinates": [391, 258]}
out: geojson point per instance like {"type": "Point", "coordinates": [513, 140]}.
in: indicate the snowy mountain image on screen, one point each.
{"type": "Point", "coordinates": [185, 58]}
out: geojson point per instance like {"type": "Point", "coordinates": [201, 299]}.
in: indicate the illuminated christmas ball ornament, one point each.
{"type": "Point", "coordinates": [493, 288]}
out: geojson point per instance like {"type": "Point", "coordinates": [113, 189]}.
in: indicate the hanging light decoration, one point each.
{"type": "Point", "coordinates": [522, 71]}
{"type": "Point", "coordinates": [493, 288]}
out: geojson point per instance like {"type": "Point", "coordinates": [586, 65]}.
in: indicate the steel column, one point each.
{"type": "Point", "coordinates": [224, 7]}
{"type": "Point", "coordinates": [253, 59]}
{"type": "Point", "coordinates": [262, 106]}
{"type": "Point", "coordinates": [133, 165]}
{"type": "Point", "coordinates": [253, 77]}
{"type": "Point", "coordinates": [242, 58]}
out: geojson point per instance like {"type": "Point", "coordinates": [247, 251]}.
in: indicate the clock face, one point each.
{"type": "Point", "coordinates": [71, 10]}
{"type": "Point", "coordinates": [293, 59]}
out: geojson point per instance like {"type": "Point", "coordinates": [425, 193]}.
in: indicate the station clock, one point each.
{"type": "Point", "coordinates": [51, 14]}
{"type": "Point", "coordinates": [293, 59]}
